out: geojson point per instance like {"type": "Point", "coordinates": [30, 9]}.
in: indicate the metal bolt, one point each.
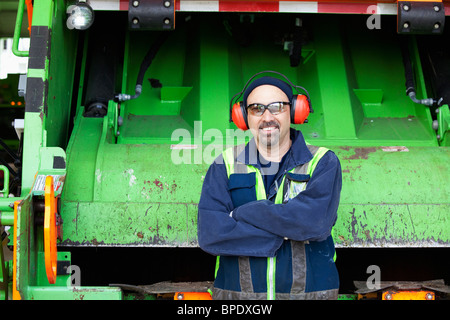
{"type": "Point", "coordinates": [167, 4]}
{"type": "Point", "coordinates": [405, 7]}
{"type": "Point", "coordinates": [388, 296]}
{"type": "Point", "coordinates": [429, 296]}
{"type": "Point", "coordinates": [435, 125]}
{"type": "Point", "coordinates": [135, 21]}
{"type": "Point", "coordinates": [135, 3]}
{"type": "Point", "coordinates": [406, 25]}
{"type": "Point", "coordinates": [180, 296]}
{"type": "Point", "coordinates": [437, 25]}
{"type": "Point", "coordinates": [166, 21]}
{"type": "Point", "coordinates": [437, 9]}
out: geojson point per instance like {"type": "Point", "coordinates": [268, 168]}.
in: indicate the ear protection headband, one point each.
{"type": "Point", "coordinates": [300, 104]}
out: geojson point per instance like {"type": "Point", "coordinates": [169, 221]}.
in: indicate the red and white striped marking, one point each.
{"type": "Point", "coordinates": [109, 5]}
{"type": "Point", "coordinates": [266, 6]}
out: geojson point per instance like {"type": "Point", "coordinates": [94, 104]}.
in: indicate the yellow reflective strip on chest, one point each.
{"type": "Point", "coordinates": [260, 189]}
{"type": "Point", "coordinates": [315, 160]}
{"type": "Point", "coordinates": [228, 160]}
{"type": "Point", "coordinates": [279, 196]}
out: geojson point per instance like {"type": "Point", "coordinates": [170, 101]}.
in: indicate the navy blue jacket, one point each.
{"type": "Point", "coordinates": [258, 228]}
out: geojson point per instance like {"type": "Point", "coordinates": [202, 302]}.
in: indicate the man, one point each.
{"type": "Point", "coordinates": [267, 208]}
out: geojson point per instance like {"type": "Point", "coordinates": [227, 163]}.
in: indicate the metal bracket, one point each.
{"type": "Point", "coordinates": [62, 267]}
{"type": "Point", "coordinates": [151, 14]}
{"type": "Point", "coordinates": [420, 17]}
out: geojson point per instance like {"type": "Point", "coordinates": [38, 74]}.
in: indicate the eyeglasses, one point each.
{"type": "Point", "coordinates": [258, 109]}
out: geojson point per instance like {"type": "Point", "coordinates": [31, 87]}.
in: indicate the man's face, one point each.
{"type": "Point", "coordinates": [269, 130]}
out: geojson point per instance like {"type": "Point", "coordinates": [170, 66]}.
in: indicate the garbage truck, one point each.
{"type": "Point", "coordinates": [127, 103]}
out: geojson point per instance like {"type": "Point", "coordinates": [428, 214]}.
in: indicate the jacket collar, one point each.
{"type": "Point", "coordinates": [299, 152]}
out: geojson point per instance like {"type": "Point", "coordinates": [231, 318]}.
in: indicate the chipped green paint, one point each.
{"type": "Point", "coordinates": [130, 224]}
{"type": "Point", "coordinates": [75, 293]}
{"type": "Point", "coordinates": [390, 197]}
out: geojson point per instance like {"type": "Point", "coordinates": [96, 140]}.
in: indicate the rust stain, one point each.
{"type": "Point", "coordinates": [360, 153]}
{"type": "Point", "coordinates": [353, 224]}
{"type": "Point", "coordinates": [172, 188]}
{"type": "Point", "coordinates": [158, 184]}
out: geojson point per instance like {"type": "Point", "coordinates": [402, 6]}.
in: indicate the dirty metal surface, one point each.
{"type": "Point", "coordinates": [130, 224]}
{"type": "Point", "coordinates": [167, 287]}
{"type": "Point", "coordinates": [435, 285]}
{"type": "Point", "coordinates": [391, 197]}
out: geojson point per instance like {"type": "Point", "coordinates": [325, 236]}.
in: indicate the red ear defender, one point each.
{"type": "Point", "coordinates": [239, 116]}
{"type": "Point", "coordinates": [300, 104]}
{"type": "Point", "coordinates": [300, 109]}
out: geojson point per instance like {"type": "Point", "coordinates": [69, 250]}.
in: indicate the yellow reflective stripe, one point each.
{"type": "Point", "coordinates": [217, 266]}
{"type": "Point", "coordinates": [260, 190]}
{"type": "Point", "coordinates": [280, 195]}
{"type": "Point", "coordinates": [271, 269]}
{"type": "Point", "coordinates": [315, 160]}
{"type": "Point", "coordinates": [228, 159]}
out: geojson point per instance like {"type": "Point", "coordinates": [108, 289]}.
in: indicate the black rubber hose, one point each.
{"type": "Point", "coordinates": [409, 75]}
{"type": "Point", "coordinates": [147, 61]}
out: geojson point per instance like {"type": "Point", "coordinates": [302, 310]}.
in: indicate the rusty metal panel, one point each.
{"type": "Point", "coordinates": [393, 197]}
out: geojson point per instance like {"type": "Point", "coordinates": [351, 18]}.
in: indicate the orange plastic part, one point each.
{"type": "Point", "coordinates": [192, 296]}
{"type": "Point", "coordinates": [29, 4]}
{"type": "Point", "coordinates": [408, 295]}
{"type": "Point", "coordinates": [50, 232]}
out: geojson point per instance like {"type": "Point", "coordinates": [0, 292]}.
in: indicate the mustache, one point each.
{"type": "Point", "coordinates": [269, 124]}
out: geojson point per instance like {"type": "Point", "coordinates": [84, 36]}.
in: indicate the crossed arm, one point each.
{"type": "Point", "coordinates": [258, 228]}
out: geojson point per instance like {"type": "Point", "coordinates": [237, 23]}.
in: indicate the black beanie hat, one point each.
{"type": "Point", "coordinates": [286, 88]}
